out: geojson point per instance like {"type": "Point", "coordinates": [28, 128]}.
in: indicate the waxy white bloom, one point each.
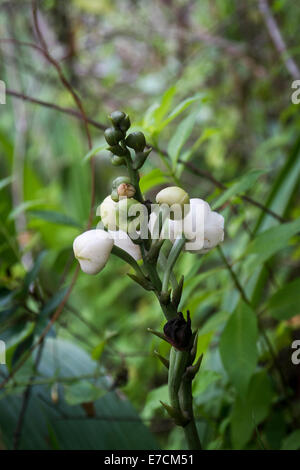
{"type": "Point", "coordinates": [210, 227]}
{"type": "Point", "coordinates": [122, 240]}
{"type": "Point", "coordinates": [174, 197]}
{"type": "Point", "coordinates": [92, 249]}
{"type": "Point", "coordinates": [108, 212]}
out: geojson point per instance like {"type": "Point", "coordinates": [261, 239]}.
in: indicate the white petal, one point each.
{"type": "Point", "coordinates": [122, 240]}
{"type": "Point", "coordinates": [108, 210]}
{"type": "Point", "coordinates": [92, 249]}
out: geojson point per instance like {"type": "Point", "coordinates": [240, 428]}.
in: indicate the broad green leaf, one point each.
{"type": "Point", "coordinates": [292, 442]}
{"type": "Point", "coordinates": [238, 346]}
{"type": "Point", "coordinates": [55, 218]}
{"type": "Point", "coordinates": [241, 186]}
{"type": "Point", "coordinates": [82, 392]}
{"type": "Point", "coordinates": [285, 303]}
{"type": "Point", "coordinates": [116, 426]}
{"type": "Point", "coordinates": [251, 409]}
{"type": "Point", "coordinates": [180, 136]}
{"type": "Point", "coordinates": [152, 179]}
{"type": "Point", "coordinates": [269, 242]}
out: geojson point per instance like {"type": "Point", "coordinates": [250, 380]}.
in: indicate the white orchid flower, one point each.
{"type": "Point", "coordinates": [122, 240]}
{"type": "Point", "coordinates": [108, 212]}
{"type": "Point", "coordinates": [92, 249]}
{"type": "Point", "coordinates": [200, 224]}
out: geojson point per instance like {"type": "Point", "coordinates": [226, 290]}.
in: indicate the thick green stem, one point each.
{"type": "Point", "coordinates": [186, 402]}
{"type": "Point", "coordinates": [172, 258]}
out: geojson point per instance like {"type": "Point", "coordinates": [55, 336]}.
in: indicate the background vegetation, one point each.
{"type": "Point", "coordinates": [209, 83]}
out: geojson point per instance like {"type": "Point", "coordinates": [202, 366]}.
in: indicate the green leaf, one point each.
{"type": "Point", "coordinates": [22, 347]}
{"type": "Point", "coordinates": [284, 304]}
{"type": "Point", "coordinates": [157, 111]}
{"type": "Point", "coordinates": [238, 346]}
{"type": "Point", "coordinates": [180, 108]}
{"type": "Point", "coordinates": [152, 179]}
{"type": "Point", "coordinates": [180, 136]}
{"type": "Point", "coordinates": [250, 410]}
{"type": "Point", "coordinates": [6, 181]}
{"type": "Point", "coordinates": [33, 273]}
{"type": "Point", "coordinates": [269, 242]}
{"type": "Point", "coordinates": [241, 186]}
{"type": "Point", "coordinates": [116, 424]}
{"type": "Point", "coordinates": [292, 442]}
{"type": "Point", "coordinates": [82, 392]}
{"type": "Point", "coordinates": [55, 218]}
{"type": "Point", "coordinates": [166, 103]}
{"type": "Point", "coordinates": [24, 206]}
{"type": "Point", "coordinates": [203, 379]}
{"type": "Point", "coordinates": [94, 151]}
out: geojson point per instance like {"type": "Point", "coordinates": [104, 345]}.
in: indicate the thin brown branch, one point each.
{"type": "Point", "coordinates": [277, 39]}
{"type": "Point", "coordinates": [47, 104]}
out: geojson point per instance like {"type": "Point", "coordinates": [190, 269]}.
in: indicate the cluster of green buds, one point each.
{"type": "Point", "coordinates": [120, 144]}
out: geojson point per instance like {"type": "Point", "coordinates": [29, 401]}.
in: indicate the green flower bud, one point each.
{"type": "Point", "coordinates": [126, 190]}
{"type": "Point", "coordinates": [136, 141]}
{"type": "Point", "coordinates": [120, 120]}
{"type": "Point", "coordinates": [116, 117]}
{"type": "Point", "coordinates": [113, 136]}
{"type": "Point", "coordinates": [125, 124]}
{"type": "Point", "coordinates": [117, 161]}
{"type": "Point", "coordinates": [173, 196]}
{"type": "Point", "coordinates": [114, 195]}
{"type": "Point", "coordinates": [121, 179]}
{"type": "Point", "coordinates": [118, 150]}
{"type": "Point", "coordinates": [140, 158]}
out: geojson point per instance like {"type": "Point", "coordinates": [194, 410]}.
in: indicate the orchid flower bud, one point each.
{"type": "Point", "coordinates": [108, 213]}
{"type": "Point", "coordinates": [210, 227]}
{"type": "Point", "coordinates": [122, 240]}
{"type": "Point", "coordinates": [126, 190]}
{"type": "Point", "coordinates": [130, 213]}
{"type": "Point", "coordinates": [136, 141]}
{"type": "Point", "coordinates": [92, 249]}
{"type": "Point", "coordinates": [176, 197]}
{"type": "Point", "coordinates": [113, 136]}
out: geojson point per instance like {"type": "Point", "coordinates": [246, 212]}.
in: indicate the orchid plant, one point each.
{"type": "Point", "coordinates": [135, 230]}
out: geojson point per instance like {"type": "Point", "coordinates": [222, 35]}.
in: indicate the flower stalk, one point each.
{"type": "Point", "coordinates": [93, 250]}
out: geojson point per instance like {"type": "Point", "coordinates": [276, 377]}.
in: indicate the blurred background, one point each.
{"type": "Point", "coordinates": [209, 83]}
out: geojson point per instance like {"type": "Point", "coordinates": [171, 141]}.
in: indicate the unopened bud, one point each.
{"type": "Point", "coordinates": [117, 161]}
{"type": "Point", "coordinates": [176, 197]}
{"type": "Point", "coordinates": [120, 120]}
{"type": "Point", "coordinates": [178, 331]}
{"type": "Point", "coordinates": [136, 141]}
{"type": "Point", "coordinates": [126, 190]}
{"type": "Point", "coordinates": [118, 150]}
{"type": "Point", "coordinates": [113, 136]}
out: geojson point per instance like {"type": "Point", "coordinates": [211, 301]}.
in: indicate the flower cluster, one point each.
{"type": "Point", "coordinates": [127, 220]}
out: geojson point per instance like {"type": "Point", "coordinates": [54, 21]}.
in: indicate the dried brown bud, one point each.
{"type": "Point", "coordinates": [126, 190]}
{"type": "Point", "coordinates": [178, 331]}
